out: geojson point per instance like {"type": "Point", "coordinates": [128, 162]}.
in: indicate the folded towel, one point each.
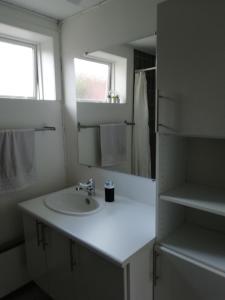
{"type": "Point", "coordinates": [113, 138]}
{"type": "Point", "coordinates": [17, 166]}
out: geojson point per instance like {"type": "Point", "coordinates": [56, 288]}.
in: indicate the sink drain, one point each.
{"type": "Point", "coordinates": [88, 201]}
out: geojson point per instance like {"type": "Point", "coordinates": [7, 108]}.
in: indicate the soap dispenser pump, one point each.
{"type": "Point", "coordinates": [109, 191]}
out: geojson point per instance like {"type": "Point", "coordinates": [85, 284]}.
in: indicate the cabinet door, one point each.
{"type": "Point", "coordinates": [181, 280]}
{"type": "Point", "coordinates": [140, 274]}
{"type": "Point", "coordinates": [98, 278]}
{"type": "Point", "coordinates": [35, 252]}
{"type": "Point", "coordinates": [62, 271]}
{"type": "Point", "coordinates": [191, 60]}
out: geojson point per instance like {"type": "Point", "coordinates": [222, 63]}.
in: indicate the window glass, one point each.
{"type": "Point", "coordinates": [92, 80]}
{"type": "Point", "coordinates": [17, 70]}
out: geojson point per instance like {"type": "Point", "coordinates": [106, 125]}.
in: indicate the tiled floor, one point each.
{"type": "Point", "coordinates": [29, 292]}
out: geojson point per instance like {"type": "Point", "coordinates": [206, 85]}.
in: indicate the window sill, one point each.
{"type": "Point", "coordinates": [99, 102]}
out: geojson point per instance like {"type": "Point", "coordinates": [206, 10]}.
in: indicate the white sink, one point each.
{"type": "Point", "coordinates": [73, 203]}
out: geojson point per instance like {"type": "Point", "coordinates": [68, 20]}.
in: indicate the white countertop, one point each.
{"type": "Point", "coordinates": [117, 231]}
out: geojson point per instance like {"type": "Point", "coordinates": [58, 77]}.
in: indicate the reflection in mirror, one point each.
{"type": "Point", "coordinates": [116, 92]}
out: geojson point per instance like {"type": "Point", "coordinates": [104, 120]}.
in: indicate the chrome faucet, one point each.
{"type": "Point", "coordinates": [89, 186]}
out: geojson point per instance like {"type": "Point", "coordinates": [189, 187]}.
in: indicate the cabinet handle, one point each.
{"type": "Point", "coordinates": [157, 112]}
{"type": "Point", "coordinates": [39, 240]}
{"type": "Point", "coordinates": [43, 240]}
{"type": "Point", "coordinates": [73, 260]}
{"type": "Point", "coordinates": [155, 276]}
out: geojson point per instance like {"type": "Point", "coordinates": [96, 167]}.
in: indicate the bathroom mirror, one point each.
{"type": "Point", "coordinates": [115, 93]}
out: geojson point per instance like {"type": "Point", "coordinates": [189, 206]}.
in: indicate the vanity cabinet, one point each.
{"type": "Point", "coordinates": [68, 270]}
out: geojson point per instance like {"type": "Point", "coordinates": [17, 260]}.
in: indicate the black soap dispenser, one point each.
{"type": "Point", "coordinates": [109, 191]}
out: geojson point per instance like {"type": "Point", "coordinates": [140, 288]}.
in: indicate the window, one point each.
{"type": "Point", "coordinates": [92, 80]}
{"type": "Point", "coordinates": [18, 71]}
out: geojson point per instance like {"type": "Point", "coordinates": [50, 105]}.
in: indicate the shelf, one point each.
{"type": "Point", "coordinates": [200, 197]}
{"type": "Point", "coordinates": [177, 133]}
{"type": "Point", "coordinates": [202, 247]}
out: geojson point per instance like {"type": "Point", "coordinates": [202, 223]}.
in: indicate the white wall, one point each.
{"type": "Point", "coordinates": [49, 161]}
{"type": "Point", "coordinates": [49, 157]}
{"type": "Point", "coordinates": [25, 114]}
{"type": "Point", "coordinates": [48, 145]}
{"type": "Point", "coordinates": [115, 22]}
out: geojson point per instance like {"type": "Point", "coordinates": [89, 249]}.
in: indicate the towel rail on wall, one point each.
{"type": "Point", "coordinates": [45, 128]}
{"type": "Point", "coordinates": [98, 126]}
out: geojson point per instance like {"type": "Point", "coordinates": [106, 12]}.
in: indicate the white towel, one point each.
{"type": "Point", "coordinates": [17, 166]}
{"type": "Point", "coordinates": [113, 139]}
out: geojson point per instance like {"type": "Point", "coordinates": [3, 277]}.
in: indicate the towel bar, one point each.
{"type": "Point", "coordinates": [98, 126]}
{"type": "Point", "coordinates": [45, 128]}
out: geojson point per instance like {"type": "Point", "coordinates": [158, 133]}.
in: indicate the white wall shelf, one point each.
{"type": "Point", "coordinates": [200, 197]}
{"type": "Point", "coordinates": [177, 133]}
{"type": "Point", "coordinates": [199, 246]}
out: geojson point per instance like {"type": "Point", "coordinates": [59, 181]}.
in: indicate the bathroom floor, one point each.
{"type": "Point", "coordinates": [29, 292]}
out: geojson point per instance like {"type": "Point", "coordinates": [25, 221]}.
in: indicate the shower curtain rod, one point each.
{"type": "Point", "coordinates": [145, 70]}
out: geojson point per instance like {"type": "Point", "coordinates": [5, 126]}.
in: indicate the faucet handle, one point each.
{"type": "Point", "coordinates": [91, 182]}
{"type": "Point", "coordinates": [89, 186]}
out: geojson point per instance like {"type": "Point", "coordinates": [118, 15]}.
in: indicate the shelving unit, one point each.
{"type": "Point", "coordinates": [190, 206]}
{"type": "Point", "coordinates": [202, 247]}
{"type": "Point", "coordinates": [190, 214]}
{"type": "Point", "coordinates": [202, 197]}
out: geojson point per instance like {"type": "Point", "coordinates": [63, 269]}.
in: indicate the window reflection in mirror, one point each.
{"type": "Point", "coordinates": [110, 135]}
{"type": "Point", "coordinates": [92, 80]}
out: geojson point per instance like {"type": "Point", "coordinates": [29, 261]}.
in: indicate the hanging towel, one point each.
{"type": "Point", "coordinates": [17, 166]}
{"type": "Point", "coordinates": [113, 140]}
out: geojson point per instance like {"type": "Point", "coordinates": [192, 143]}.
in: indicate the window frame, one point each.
{"type": "Point", "coordinates": [110, 76]}
{"type": "Point", "coordinates": [34, 47]}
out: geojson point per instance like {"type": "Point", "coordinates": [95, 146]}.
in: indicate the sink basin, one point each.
{"type": "Point", "coordinates": [73, 203]}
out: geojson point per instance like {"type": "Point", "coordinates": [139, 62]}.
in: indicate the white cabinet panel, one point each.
{"type": "Point", "coordinates": [191, 60]}
{"type": "Point", "coordinates": [62, 273]}
{"type": "Point", "coordinates": [141, 275]}
{"type": "Point", "coordinates": [35, 253]}
{"type": "Point", "coordinates": [98, 278]}
{"type": "Point", "coordinates": [180, 280]}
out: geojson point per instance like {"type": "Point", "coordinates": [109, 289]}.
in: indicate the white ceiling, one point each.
{"type": "Point", "coordinates": [58, 9]}
{"type": "Point", "coordinates": [147, 44]}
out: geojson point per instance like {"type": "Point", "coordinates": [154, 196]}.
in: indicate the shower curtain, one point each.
{"type": "Point", "coordinates": [141, 149]}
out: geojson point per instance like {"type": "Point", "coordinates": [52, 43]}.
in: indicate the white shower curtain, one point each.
{"type": "Point", "coordinates": [141, 148]}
